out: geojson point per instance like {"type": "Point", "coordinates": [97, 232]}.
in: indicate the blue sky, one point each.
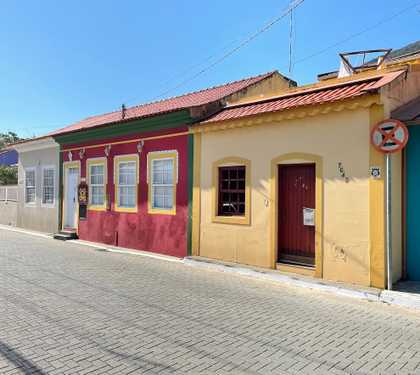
{"type": "Point", "coordinates": [63, 61]}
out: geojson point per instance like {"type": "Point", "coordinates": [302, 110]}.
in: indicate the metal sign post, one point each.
{"type": "Point", "coordinates": [388, 221]}
{"type": "Point", "coordinates": [389, 136]}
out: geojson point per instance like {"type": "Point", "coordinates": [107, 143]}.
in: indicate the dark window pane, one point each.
{"type": "Point", "coordinates": [232, 191]}
{"type": "Point", "coordinates": [233, 173]}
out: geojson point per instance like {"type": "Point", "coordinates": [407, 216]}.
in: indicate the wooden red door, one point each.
{"type": "Point", "coordinates": [296, 238]}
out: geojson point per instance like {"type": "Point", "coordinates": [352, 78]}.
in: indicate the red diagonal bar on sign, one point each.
{"type": "Point", "coordinates": [397, 141]}
{"type": "Point", "coordinates": [387, 136]}
{"type": "Point", "coordinates": [390, 136]}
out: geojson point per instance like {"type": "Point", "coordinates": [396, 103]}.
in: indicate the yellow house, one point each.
{"type": "Point", "coordinates": [286, 181]}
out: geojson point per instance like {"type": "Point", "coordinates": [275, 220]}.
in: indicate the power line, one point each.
{"type": "Point", "coordinates": [290, 42]}
{"type": "Point", "coordinates": [352, 36]}
{"type": "Point", "coordinates": [192, 67]}
{"type": "Point", "coordinates": [293, 4]}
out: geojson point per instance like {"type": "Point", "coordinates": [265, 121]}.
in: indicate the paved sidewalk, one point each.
{"type": "Point", "coordinates": [406, 294]}
{"type": "Point", "coordinates": [71, 309]}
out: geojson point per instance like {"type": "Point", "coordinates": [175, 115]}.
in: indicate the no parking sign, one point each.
{"type": "Point", "coordinates": [389, 136]}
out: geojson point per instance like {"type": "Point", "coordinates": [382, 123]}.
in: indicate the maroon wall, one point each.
{"type": "Point", "coordinates": [165, 234]}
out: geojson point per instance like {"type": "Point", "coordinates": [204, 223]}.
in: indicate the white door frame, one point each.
{"type": "Point", "coordinates": [66, 166]}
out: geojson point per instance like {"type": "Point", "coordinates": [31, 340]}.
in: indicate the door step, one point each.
{"type": "Point", "coordinates": [66, 235]}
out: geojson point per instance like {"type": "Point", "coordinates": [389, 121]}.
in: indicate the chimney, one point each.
{"type": "Point", "coordinates": [123, 111]}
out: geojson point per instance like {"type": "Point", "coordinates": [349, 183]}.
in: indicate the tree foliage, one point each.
{"type": "Point", "coordinates": [8, 175]}
{"type": "Point", "coordinates": [8, 138]}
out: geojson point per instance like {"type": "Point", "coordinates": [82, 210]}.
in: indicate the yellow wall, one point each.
{"type": "Point", "coordinates": [352, 231]}
{"type": "Point", "coordinates": [334, 137]}
{"type": "Point", "coordinates": [396, 217]}
{"type": "Point", "coordinates": [274, 85]}
{"type": "Point", "coordinates": [377, 208]}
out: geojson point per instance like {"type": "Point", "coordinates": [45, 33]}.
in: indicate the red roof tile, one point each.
{"type": "Point", "coordinates": [194, 99]}
{"type": "Point", "coordinates": [304, 97]}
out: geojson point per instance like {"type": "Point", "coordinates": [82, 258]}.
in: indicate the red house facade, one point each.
{"type": "Point", "coordinates": [127, 176]}
{"type": "Point", "coordinates": [124, 207]}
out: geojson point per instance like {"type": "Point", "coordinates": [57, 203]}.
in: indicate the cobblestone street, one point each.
{"type": "Point", "coordinates": [70, 309]}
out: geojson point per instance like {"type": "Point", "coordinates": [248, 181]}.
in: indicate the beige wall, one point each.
{"type": "Point", "coordinates": [274, 85]}
{"type": "Point", "coordinates": [336, 137]}
{"type": "Point", "coordinates": [8, 213]}
{"type": "Point", "coordinates": [37, 217]}
{"type": "Point", "coordinates": [396, 207]}
{"type": "Point", "coordinates": [402, 90]}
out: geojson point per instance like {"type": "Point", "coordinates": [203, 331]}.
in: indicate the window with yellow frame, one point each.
{"type": "Point", "coordinates": [162, 177]}
{"type": "Point", "coordinates": [96, 170]}
{"type": "Point", "coordinates": [126, 180]}
{"type": "Point", "coordinates": [232, 191]}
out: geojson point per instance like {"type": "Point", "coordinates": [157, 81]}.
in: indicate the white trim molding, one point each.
{"type": "Point", "coordinates": [26, 203]}
{"type": "Point", "coordinates": [43, 169]}
{"type": "Point", "coordinates": [36, 144]}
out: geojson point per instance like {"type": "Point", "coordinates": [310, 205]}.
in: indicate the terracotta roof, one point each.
{"type": "Point", "coordinates": [190, 100]}
{"type": "Point", "coordinates": [306, 96]}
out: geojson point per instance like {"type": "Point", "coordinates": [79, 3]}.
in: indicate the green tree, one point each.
{"type": "Point", "coordinates": [8, 138]}
{"type": "Point", "coordinates": [8, 175]}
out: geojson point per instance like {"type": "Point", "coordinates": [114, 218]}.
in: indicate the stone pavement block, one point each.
{"type": "Point", "coordinates": [67, 309]}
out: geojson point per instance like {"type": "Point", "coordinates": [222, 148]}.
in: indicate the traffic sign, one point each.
{"type": "Point", "coordinates": [389, 136]}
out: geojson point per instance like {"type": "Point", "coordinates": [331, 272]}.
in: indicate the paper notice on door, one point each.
{"type": "Point", "coordinates": [308, 216]}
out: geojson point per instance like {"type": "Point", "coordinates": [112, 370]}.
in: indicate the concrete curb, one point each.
{"type": "Point", "coordinates": [122, 250]}
{"type": "Point", "coordinates": [26, 231]}
{"type": "Point", "coordinates": [403, 299]}
{"type": "Point", "coordinates": [94, 245]}
{"type": "Point", "coordinates": [390, 297]}
{"type": "Point", "coordinates": [363, 294]}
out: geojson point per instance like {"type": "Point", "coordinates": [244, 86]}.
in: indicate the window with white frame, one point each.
{"type": "Point", "coordinates": [30, 186]}
{"type": "Point", "coordinates": [48, 176]}
{"type": "Point", "coordinates": [127, 183]}
{"type": "Point", "coordinates": [97, 184]}
{"type": "Point", "coordinates": [163, 183]}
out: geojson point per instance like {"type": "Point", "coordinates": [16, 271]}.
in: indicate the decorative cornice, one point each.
{"type": "Point", "coordinates": [35, 145]}
{"type": "Point", "coordinates": [295, 113]}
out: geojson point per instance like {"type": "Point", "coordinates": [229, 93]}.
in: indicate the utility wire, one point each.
{"type": "Point", "coordinates": [352, 36]}
{"type": "Point", "coordinates": [287, 11]}
{"type": "Point", "coordinates": [192, 67]}
{"type": "Point", "coordinates": [293, 4]}
{"type": "Point", "coordinates": [290, 43]}
{"type": "Point", "coordinates": [291, 7]}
